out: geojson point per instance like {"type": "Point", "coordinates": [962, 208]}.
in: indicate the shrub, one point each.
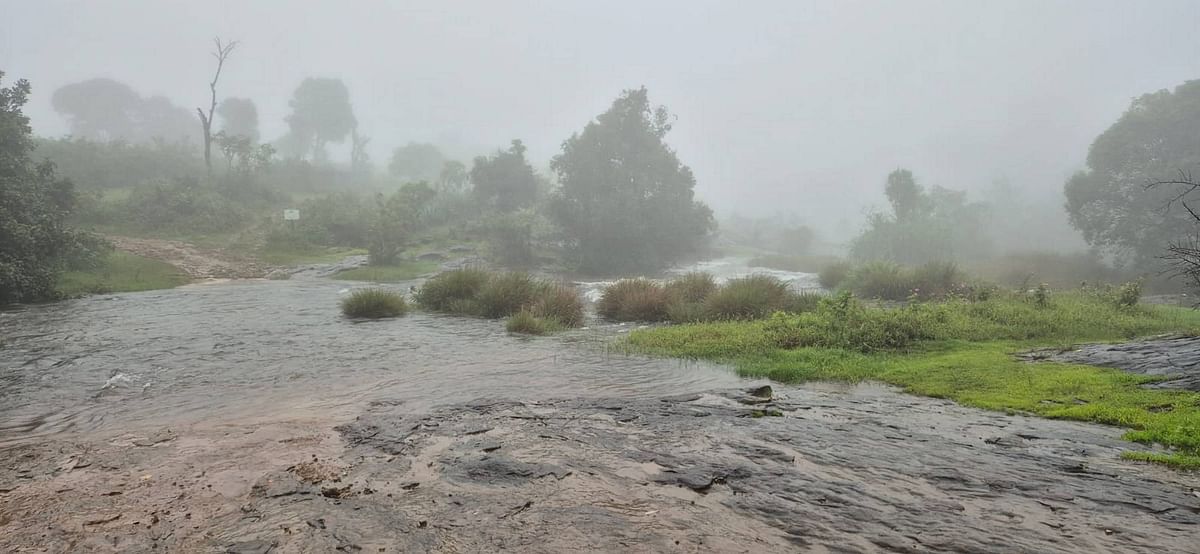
{"type": "Point", "coordinates": [686, 312]}
{"type": "Point", "coordinates": [559, 303]}
{"type": "Point", "coordinates": [526, 322]}
{"type": "Point", "coordinates": [801, 302]}
{"type": "Point", "coordinates": [633, 300]}
{"type": "Point", "coordinates": [879, 279]}
{"type": "Point", "coordinates": [505, 294]}
{"type": "Point", "coordinates": [752, 297]}
{"type": "Point", "coordinates": [690, 287]}
{"type": "Point", "coordinates": [935, 279]}
{"type": "Point", "coordinates": [374, 304]}
{"type": "Point", "coordinates": [843, 322]}
{"type": "Point", "coordinates": [834, 274]}
{"type": "Point", "coordinates": [452, 291]}
{"type": "Point", "coordinates": [1125, 296]}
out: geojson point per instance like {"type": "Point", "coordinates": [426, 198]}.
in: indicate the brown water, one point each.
{"type": "Point", "coordinates": [231, 349]}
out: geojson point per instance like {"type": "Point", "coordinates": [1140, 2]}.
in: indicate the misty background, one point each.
{"type": "Point", "coordinates": [783, 107]}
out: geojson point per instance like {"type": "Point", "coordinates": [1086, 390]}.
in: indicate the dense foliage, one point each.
{"type": "Point", "coordinates": [504, 181]}
{"type": "Point", "coordinates": [626, 202]}
{"type": "Point", "coordinates": [923, 225]}
{"type": "Point", "coordinates": [1157, 138]}
{"type": "Point", "coordinates": [36, 243]}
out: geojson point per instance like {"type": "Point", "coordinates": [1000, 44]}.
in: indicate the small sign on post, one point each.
{"type": "Point", "coordinates": [291, 215]}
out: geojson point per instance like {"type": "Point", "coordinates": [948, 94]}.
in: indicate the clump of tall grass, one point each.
{"type": "Point", "coordinates": [528, 323]}
{"type": "Point", "coordinates": [452, 291]}
{"type": "Point", "coordinates": [696, 297]}
{"type": "Point", "coordinates": [752, 297]}
{"type": "Point", "coordinates": [637, 299]}
{"type": "Point", "coordinates": [374, 304]}
{"type": "Point", "coordinates": [690, 287]}
{"type": "Point", "coordinates": [516, 295]}
{"type": "Point", "coordinates": [890, 281]}
{"type": "Point", "coordinates": [834, 274]}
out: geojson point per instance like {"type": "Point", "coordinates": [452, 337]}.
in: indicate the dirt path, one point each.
{"type": "Point", "coordinates": [864, 470]}
{"type": "Point", "coordinates": [198, 263]}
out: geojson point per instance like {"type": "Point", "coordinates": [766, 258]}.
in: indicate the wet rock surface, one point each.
{"type": "Point", "coordinates": [868, 471]}
{"type": "Point", "coordinates": [859, 469]}
{"type": "Point", "coordinates": [1175, 357]}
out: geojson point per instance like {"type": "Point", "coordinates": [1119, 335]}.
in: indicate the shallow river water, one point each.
{"type": "Point", "coordinates": [219, 350]}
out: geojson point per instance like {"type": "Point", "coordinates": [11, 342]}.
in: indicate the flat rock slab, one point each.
{"type": "Point", "coordinates": [839, 469]}
{"type": "Point", "coordinates": [1175, 357]}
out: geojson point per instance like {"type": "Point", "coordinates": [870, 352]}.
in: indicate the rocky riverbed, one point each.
{"type": "Point", "coordinates": [823, 469]}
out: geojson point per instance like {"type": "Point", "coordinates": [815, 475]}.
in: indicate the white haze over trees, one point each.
{"type": "Point", "coordinates": [797, 108]}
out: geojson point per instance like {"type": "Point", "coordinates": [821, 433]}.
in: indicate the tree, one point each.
{"type": "Point", "coordinates": [396, 217]}
{"type": "Point", "coordinates": [923, 226]}
{"type": "Point", "coordinates": [1158, 136]}
{"type": "Point", "coordinates": [98, 109]}
{"type": "Point", "coordinates": [108, 110]}
{"type": "Point", "coordinates": [221, 52]}
{"type": "Point", "coordinates": [504, 181]}
{"type": "Point", "coordinates": [239, 117]}
{"type": "Point", "coordinates": [416, 162]}
{"type": "Point", "coordinates": [625, 201]}
{"type": "Point", "coordinates": [453, 176]}
{"type": "Point", "coordinates": [35, 240]}
{"type": "Point", "coordinates": [360, 159]}
{"type": "Point", "coordinates": [321, 113]}
{"type": "Point", "coordinates": [904, 194]}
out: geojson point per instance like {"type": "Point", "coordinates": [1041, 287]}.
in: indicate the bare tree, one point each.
{"type": "Point", "coordinates": [206, 120]}
{"type": "Point", "coordinates": [1183, 255]}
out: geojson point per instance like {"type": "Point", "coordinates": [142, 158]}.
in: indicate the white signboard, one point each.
{"type": "Point", "coordinates": [291, 215]}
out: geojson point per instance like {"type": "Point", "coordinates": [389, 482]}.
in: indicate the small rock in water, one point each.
{"type": "Point", "coordinates": [764, 391]}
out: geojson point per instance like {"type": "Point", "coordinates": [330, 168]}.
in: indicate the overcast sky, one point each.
{"type": "Point", "coordinates": [782, 106]}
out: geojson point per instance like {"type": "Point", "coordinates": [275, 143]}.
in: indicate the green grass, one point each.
{"type": "Point", "coordinates": [964, 351]}
{"type": "Point", "coordinates": [404, 271]}
{"type": "Point", "coordinates": [374, 304]}
{"type": "Point", "coordinates": [296, 255]}
{"type": "Point", "coordinates": [122, 272]}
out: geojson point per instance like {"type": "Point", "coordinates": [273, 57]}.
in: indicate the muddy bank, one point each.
{"type": "Point", "coordinates": [858, 470]}
{"type": "Point", "coordinates": [1174, 358]}
{"type": "Point", "coordinates": [196, 262]}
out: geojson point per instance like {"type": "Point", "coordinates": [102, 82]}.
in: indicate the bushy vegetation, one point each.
{"type": "Point", "coordinates": [833, 275]}
{"type": "Point", "coordinates": [923, 225]}
{"type": "Point", "coordinates": [374, 303]}
{"type": "Point", "coordinates": [36, 242]}
{"type": "Point", "coordinates": [476, 292]}
{"type": "Point", "coordinates": [696, 297]}
{"type": "Point", "coordinates": [962, 350]}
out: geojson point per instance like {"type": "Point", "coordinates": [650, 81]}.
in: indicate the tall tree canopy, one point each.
{"type": "Point", "coordinates": [924, 225]}
{"type": "Point", "coordinates": [504, 181]}
{"type": "Point", "coordinates": [104, 109]}
{"type": "Point", "coordinates": [626, 202]}
{"type": "Point", "coordinates": [35, 240]}
{"type": "Point", "coordinates": [416, 161]}
{"type": "Point", "coordinates": [1157, 138]}
{"type": "Point", "coordinates": [239, 117]}
{"type": "Point", "coordinates": [321, 113]}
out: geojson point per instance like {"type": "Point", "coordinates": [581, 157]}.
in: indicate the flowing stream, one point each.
{"type": "Point", "coordinates": [235, 348]}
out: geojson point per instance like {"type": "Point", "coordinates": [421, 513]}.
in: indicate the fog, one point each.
{"type": "Point", "coordinates": [794, 107]}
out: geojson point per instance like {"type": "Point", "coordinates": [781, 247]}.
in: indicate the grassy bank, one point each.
{"type": "Point", "coordinates": [404, 271]}
{"type": "Point", "coordinates": [964, 351]}
{"type": "Point", "coordinates": [122, 272]}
